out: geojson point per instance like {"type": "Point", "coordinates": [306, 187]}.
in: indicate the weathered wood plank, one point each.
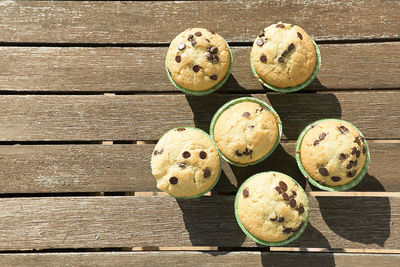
{"type": "Point", "coordinates": [350, 66]}
{"type": "Point", "coordinates": [212, 258]}
{"type": "Point", "coordinates": [147, 117]}
{"type": "Point", "coordinates": [83, 222]}
{"type": "Point", "coordinates": [152, 22]}
{"type": "Point", "coordinates": [122, 168]}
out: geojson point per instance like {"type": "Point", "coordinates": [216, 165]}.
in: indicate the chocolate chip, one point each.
{"type": "Point", "coordinates": [290, 47]}
{"type": "Point", "coordinates": [273, 219]}
{"type": "Point", "coordinates": [300, 36]}
{"type": "Point", "coordinates": [238, 153]}
{"type": "Point", "coordinates": [212, 31]}
{"type": "Point", "coordinates": [350, 165]}
{"type": "Point", "coordinates": [283, 185]}
{"type": "Point", "coordinates": [178, 59]}
{"type": "Point", "coordinates": [335, 178]}
{"type": "Point", "coordinates": [180, 129]}
{"type": "Point", "coordinates": [263, 58]}
{"type": "Point", "coordinates": [281, 219]}
{"type": "Point", "coordinates": [186, 154]}
{"type": "Point", "coordinates": [285, 53]}
{"type": "Point", "coordinates": [364, 150]}
{"type": "Point", "coordinates": [357, 140]}
{"type": "Point", "coordinates": [281, 59]}
{"type": "Point", "coordinates": [358, 153]}
{"type": "Point", "coordinates": [206, 173]}
{"type": "Point", "coordinates": [210, 57]}
{"type": "Point", "coordinates": [278, 189]}
{"type": "Point", "coordinates": [260, 42]}
{"type": "Point", "coordinates": [246, 114]}
{"type": "Point", "coordinates": [208, 40]}
{"type": "Point", "coordinates": [194, 43]}
{"type": "Point", "coordinates": [261, 34]}
{"type": "Point", "coordinates": [203, 155]}
{"type": "Point", "coordinates": [215, 59]}
{"type": "Point", "coordinates": [173, 180]}
{"type": "Point", "coordinates": [280, 25]}
{"type": "Point", "coordinates": [155, 152]}
{"type": "Point", "coordinates": [196, 68]}
{"type": "Point", "coordinates": [190, 37]}
{"type": "Point", "coordinates": [351, 173]}
{"type": "Point", "coordinates": [342, 156]}
{"type": "Point", "coordinates": [323, 171]}
{"type": "Point", "coordinates": [353, 150]}
{"type": "Point", "coordinates": [316, 142]}
{"type": "Point", "coordinates": [181, 165]}
{"type": "Point", "coordinates": [251, 126]}
{"type": "Point", "coordinates": [214, 77]}
{"type": "Point", "coordinates": [298, 227]}
{"type": "Point", "coordinates": [245, 192]}
{"type": "Point", "coordinates": [285, 196]}
{"type": "Point", "coordinates": [355, 163]}
{"type": "Point", "coordinates": [292, 203]}
{"type": "Point", "coordinates": [294, 193]}
{"type": "Point", "coordinates": [322, 136]}
{"type": "Point", "coordinates": [343, 129]}
{"type": "Point", "coordinates": [181, 46]}
{"type": "Point", "coordinates": [213, 50]}
{"type": "Point", "coordinates": [287, 230]}
{"type": "Point", "coordinates": [247, 152]}
{"type": "Point", "coordinates": [300, 209]}
{"type": "Point", "coordinates": [198, 34]}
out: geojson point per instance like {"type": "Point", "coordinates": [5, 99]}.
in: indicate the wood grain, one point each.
{"type": "Point", "coordinates": [104, 69]}
{"type": "Point", "coordinates": [151, 22]}
{"type": "Point", "coordinates": [180, 259]}
{"type": "Point", "coordinates": [91, 222]}
{"type": "Point", "coordinates": [122, 168]}
{"type": "Point", "coordinates": [147, 117]}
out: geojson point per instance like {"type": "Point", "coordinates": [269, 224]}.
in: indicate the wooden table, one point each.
{"type": "Point", "coordinates": [84, 98]}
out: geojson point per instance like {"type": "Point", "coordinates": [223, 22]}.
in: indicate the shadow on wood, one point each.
{"type": "Point", "coordinates": [206, 227]}
{"type": "Point", "coordinates": [369, 183]}
{"type": "Point", "coordinates": [204, 107]}
{"type": "Point", "coordinates": [298, 110]}
{"type": "Point", "coordinates": [367, 217]}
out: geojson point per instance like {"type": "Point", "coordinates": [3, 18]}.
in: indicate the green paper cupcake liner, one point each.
{"type": "Point", "coordinates": [220, 163]}
{"type": "Point", "coordinates": [246, 99]}
{"type": "Point", "coordinates": [260, 241]}
{"type": "Point", "coordinates": [206, 92]}
{"type": "Point", "coordinates": [338, 188]}
{"type": "Point", "coordinates": [295, 88]}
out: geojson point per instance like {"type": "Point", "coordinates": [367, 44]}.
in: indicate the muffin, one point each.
{"type": "Point", "coordinates": [198, 61]}
{"type": "Point", "coordinates": [246, 131]}
{"type": "Point", "coordinates": [185, 163]}
{"type": "Point", "coordinates": [333, 154]}
{"type": "Point", "coordinates": [271, 208]}
{"type": "Point", "coordinates": [284, 57]}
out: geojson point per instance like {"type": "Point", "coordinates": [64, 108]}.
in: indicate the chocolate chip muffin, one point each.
{"type": "Point", "coordinates": [246, 130]}
{"type": "Point", "coordinates": [283, 55]}
{"type": "Point", "coordinates": [272, 207]}
{"type": "Point", "coordinates": [198, 60]}
{"type": "Point", "coordinates": [332, 152]}
{"type": "Point", "coordinates": [185, 163]}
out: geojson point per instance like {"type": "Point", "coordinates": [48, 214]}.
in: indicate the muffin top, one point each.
{"type": "Point", "coordinates": [283, 55]}
{"type": "Point", "coordinates": [198, 59]}
{"type": "Point", "coordinates": [185, 162]}
{"type": "Point", "coordinates": [333, 152]}
{"type": "Point", "coordinates": [245, 132]}
{"type": "Point", "coordinates": [271, 206]}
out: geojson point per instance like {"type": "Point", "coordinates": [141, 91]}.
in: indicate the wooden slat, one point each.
{"type": "Point", "coordinates": [177, 259]}
{"type": "Point", "coordinates": [147, 117]}
{"type": "Point", "coordinates": [144, 22]}
{"type": "Point", "coordinates": [121, 168]}
{"type": "Point", "coordinates": [350, 66]}
{"type": "Point", "coordinates": [90, 222]}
